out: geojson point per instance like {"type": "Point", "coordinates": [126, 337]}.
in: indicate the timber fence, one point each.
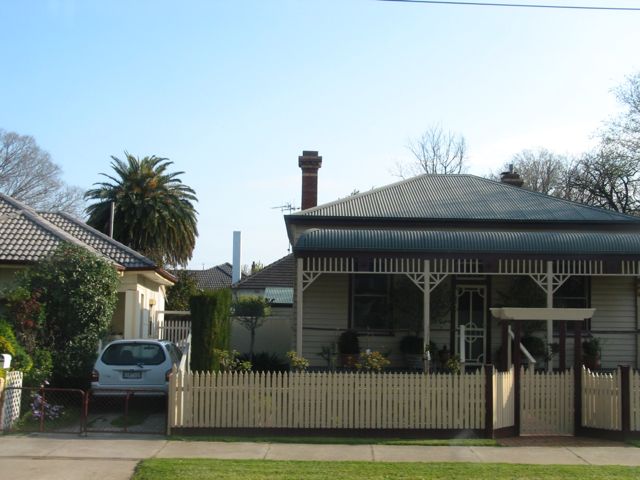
{"type": "Point", "coordinates": [328, 400]}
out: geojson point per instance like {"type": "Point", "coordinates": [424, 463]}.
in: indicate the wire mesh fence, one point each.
{"type": "Point", "coordinates": [57, 410]}
{"type": "Point", "coordinates": [126, 411]}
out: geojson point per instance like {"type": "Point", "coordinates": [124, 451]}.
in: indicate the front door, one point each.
{"type": "Point", "coordinates": [471, 311]}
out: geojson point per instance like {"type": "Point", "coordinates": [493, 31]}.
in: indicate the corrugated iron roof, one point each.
{"type": "Point", "coordinates": [279, 295]}
{"type": "Point", "coordinates": [457, 241]}
{"type": "Point", "coordinates": [461, 197]}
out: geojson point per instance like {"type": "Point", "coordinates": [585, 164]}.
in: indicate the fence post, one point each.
{"type": "Point", "coordinates": [577, 379]}
{"type": "Point", "coordinates": [488, 401]}
{"type": "Point", "coordinates": [577, 401]}
{"type": "Point", "coordinates": [625, 399]}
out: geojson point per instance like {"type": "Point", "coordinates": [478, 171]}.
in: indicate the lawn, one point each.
{"type": "Point", "coordinates": [203, 469]}
{"type": "Point", "coordinates": [447, 442]}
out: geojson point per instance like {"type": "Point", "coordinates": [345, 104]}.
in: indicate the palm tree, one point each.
{"type": "Point", "coordinates": [153, 214]}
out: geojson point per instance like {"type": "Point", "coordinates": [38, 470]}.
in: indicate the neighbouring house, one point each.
{"type": "Point", "coordinates": [213, 278]}
{"type": "Point", "coordinates": [435, 253]}
{"type": "Point", "coordinates": [275, 282]}
{"type": "Point", "coordinates": [27, 236]}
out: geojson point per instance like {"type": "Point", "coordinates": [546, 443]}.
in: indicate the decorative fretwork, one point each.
{"type": "Point", "coordinates": [630, 267]}
{"type": "Point", "coordinates": [538, 267]}
{"type": "Point", "coordinates": [557, 280]}
{"type": "Point", "coordinates": [521, 267]}
{"type": "Point", "coordinates": [578, 267]}
{"type": "Point", "coordinates": [329, 265]}
{"type": "Point", "coordinates": [461, 266]}
{"type": "Point", "coordinates": [398, 265]}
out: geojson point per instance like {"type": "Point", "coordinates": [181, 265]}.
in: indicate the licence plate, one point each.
{"type": "Point", "coordinates": [132, 374]}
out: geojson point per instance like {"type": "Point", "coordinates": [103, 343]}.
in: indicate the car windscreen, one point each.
{"type": "Point", "coordinates": [133, 354]}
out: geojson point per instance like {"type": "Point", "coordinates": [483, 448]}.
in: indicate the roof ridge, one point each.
{"type": "Point", "coordinates": [363, 194]}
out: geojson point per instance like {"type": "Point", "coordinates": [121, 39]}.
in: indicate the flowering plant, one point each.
{"type": "Point", "coordinates": [298, 364]}
{"type": "Point", "coordinates": [372, 362]}
{"type": "Point", "coordinates": [41, 408]}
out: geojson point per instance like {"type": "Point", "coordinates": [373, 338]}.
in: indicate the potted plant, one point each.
{"type": "Point", "coordinates": [591, 351]}
{"type": "Point", "coordinates": [411, 347]}
{"type": "Point", "coordinates": [348, 348]}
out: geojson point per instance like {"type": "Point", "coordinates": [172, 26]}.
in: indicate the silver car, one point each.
{"type": "Point", "coordinates": [137, 365]}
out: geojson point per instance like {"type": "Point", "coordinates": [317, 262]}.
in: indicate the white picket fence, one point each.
{"type": "Point", "coordinates": [546, 402]}
{"type": "Point", "coordinates": [327, 400]}
{"type": "Point", "coordinates": [601, 400]}
{"type": "Point", "coordinates": [174, 330]}
{"type": "Point", "coordinates": [503, 399]}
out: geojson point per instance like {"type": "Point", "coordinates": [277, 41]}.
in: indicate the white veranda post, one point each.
{"type": "Point", "coordinates": [299, 296]}
{"type": "Point", "coordinates": [426, 323]}
{"type": "Point", "coordinates": [549, 305]}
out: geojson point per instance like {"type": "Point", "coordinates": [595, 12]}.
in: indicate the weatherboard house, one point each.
{"type": "Point", "coordinates": [460, 260]}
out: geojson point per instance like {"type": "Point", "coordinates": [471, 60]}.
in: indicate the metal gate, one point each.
{"type": "Point", "coordinates": [65, 410]}
{"type": "Point", "coordinates": [546, 402]}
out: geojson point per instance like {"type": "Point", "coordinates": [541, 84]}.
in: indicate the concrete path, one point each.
{"type": "Point", "coordinates": [114, 457]}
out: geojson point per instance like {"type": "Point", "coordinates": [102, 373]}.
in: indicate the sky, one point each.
{"type": "Point", "coordinates": [233, 91]}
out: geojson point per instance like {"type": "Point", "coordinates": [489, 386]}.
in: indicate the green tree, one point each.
{"type": "Point", "coordinates": [210, 328]}
{"type": "Point", "coordinates": [178, 295]}
{"type": "Point", "coordinates": [251, 312]}
{"type": "Point", "coordinates": [78, 290]}
{"type": "Point", "coordinates": [153, 213]}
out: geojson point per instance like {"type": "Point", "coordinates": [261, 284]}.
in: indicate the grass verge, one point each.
{"type": "Point", "coordinates": [446, 442]}
{"type": "Point", "coordinates": [204, 469]}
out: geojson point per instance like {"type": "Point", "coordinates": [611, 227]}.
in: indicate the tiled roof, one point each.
{"type": "Point", "coordinates": [28, 236]}
{"type": "Point", "coordinates": [461, 197]}
{"type": "Point", "coordinates": [212, 278]}
{"type": "Point", "coordinates": [107, 246]}
{"type": "Point", "coordinates": [281, 273]}
{"type": "Point", "coordinates": [25, 236]}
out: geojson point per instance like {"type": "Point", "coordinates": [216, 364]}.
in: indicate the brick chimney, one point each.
{"type": "Point", "coordinates": [309, 162]}
{"type": "Point", "coordinates": [511, 178]}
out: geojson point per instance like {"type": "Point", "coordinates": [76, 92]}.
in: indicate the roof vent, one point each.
{"type": "Point", "coordinates": [511, 178]}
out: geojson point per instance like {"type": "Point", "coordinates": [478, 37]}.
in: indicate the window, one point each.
{"type": "Point", "coordinates": [385, 302]}
{"type": "Point", "coordinates": [574, 293]}
{"type": "Point", "coordinates": [133, 353]}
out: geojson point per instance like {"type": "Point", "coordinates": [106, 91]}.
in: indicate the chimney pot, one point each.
{"type": "Point", "coordinates": [310, 162]}
{"type": "Point", "coordinates": [511, 177]}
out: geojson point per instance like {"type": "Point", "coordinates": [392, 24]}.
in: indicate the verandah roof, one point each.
{"type": "Point", "coordinates": [456, 241]}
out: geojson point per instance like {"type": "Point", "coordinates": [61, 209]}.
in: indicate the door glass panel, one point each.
{"type": "Point", "coordinates": [471, 312]}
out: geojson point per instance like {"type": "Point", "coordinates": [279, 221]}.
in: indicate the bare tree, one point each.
{"type": "Point", "coordinates": [606, 178]}
{"type": "Point", "coordinates": [609, 176]}
{"type": "Point", "coordinates": [435, 151]}
{"type": "Point", "coordinates": [542, 170]}
{"type": "Point", "coordinates": [28, 174]}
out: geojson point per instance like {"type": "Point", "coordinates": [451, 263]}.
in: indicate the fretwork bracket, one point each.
{"type": "Point", "coordinates": [557, 280]}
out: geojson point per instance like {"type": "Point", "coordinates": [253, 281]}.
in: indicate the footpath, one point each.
{"type": "Point", "coordinates": [113, 457]}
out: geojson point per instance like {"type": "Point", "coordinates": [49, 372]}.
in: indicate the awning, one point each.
{"type": "Point", "coordinates": [474, 242]}
{"type": "Point", "coordinates": [568, 314]}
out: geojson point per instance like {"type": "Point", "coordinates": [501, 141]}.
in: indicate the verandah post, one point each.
{"type": "Point", "coordinates": [426, 337]}
{"type": "Point", "coordinates": [299, 296]}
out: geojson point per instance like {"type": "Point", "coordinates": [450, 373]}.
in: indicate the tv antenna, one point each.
{"type": "Point", "coordinates": [287, 207]}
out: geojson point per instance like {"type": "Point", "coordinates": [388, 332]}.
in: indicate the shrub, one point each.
{"type": "Point", "coordinates": [230, 361]}
{"type": "Point", "coordinates": [265, 362]}
{"type": "Point", "coordinates": [210, 328]}
{"type": "Point", "coordinates": [8, 344]}
{"type": "Point", "coordinates": [78, 289]}
{"type": "Point", "coordinates": [348, 343]}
